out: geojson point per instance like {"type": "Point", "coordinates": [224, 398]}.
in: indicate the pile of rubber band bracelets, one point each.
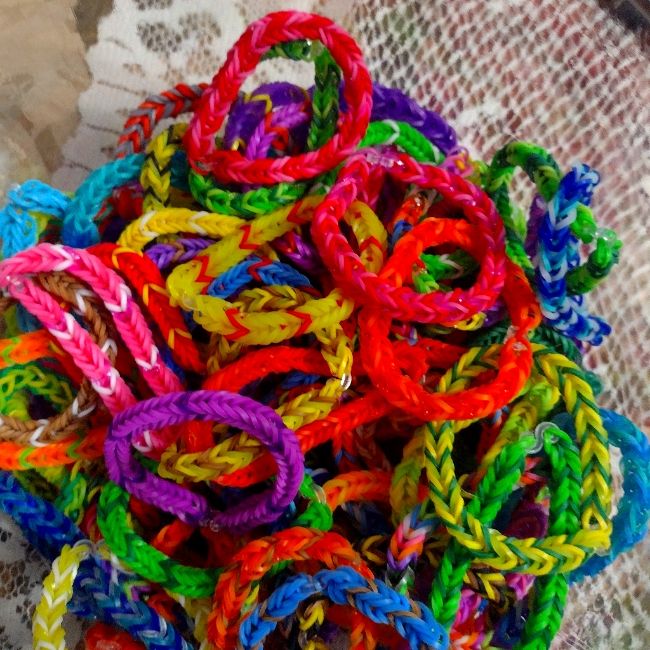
{"type": "Point", "coordinates": [296, 371]}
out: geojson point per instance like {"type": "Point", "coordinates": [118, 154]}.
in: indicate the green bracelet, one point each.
{"type": "Point", "coordinates": [550, 591]}
{"type": "Point", "coordinates": [325, 105]}
{"type": "Point", "coordinates": [492, 491]}
{"type": "Point", "coordinates": [38, 381]}
{"type": "Point", "coordinates": [142, 558]}
{"type": "Point", "coordinates": [266, 199]}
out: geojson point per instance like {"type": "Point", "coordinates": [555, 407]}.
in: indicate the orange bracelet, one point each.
{"type": "Point", "coordinates": [64, 452]}
{"type": "Point", "coordinates": [236, 583]}
{"type": "Point", "coordinates": [515, 360]}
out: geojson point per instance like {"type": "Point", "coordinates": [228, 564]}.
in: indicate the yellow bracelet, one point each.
{"type": "Point", "coordinates": [406, 477]}
{"type": "Point", "coordinates": [536, 556]}
{"type": "Point", "coordinates": [172, 221]}
{"type": "Point", "coordinates": [47, 622]}
{"type": "Point", "coordinates": [156, 175]}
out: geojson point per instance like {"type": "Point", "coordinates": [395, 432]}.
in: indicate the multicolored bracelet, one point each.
{"type": "Point", "coordinates": [344, 586]}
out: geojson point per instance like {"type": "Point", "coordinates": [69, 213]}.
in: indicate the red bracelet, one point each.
{"type": "Point", "coordinates": [380, 291]}
{"type": "Point", "coordinates": [143, 275]}
{"type": "Point", "coordinates": [259, 37]}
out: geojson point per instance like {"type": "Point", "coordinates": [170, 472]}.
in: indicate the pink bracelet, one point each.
{"type": "Point", "coordinates": [232, 166]}
{"type": "Point", "coordinates": [91, 360]}
{"type": "Point", "coordinates": [385, 290]}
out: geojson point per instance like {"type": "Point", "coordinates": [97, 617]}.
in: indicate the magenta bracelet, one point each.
{"type": "Point", "coordinates": [232, 409]}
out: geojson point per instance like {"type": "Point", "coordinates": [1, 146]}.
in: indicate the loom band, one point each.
{"type": "Point", "coordinates": [245, 112]}
{"type": "Point", "coordinates": [79, 228]}
{"type": "Point", "coordinates": [37, 381]}
{"type": "Point", "coordinates": [631, 521]}
{"type": "Point", "coordinates": [217, 315]}
{"type": "Point", "coordinates": [143, 276]}
{"type": "Point", "coordinates": [42, 525]}
{"type": "Point", "coordinates": [49, 531]}
{"type": "Point", "coordinates": [257, 269]}
{"type": "Point", "coordinates": [553, 553]}
{"type": "Point", "coordinates": [406, 477]}
{"type": "Point", "coordinates": [415, 524]}
{"type": "Point", "coordinates": [550, 591]}
{"type": "Point", "coordinates": [47, 623]}
{"type": "Point", "coordinates": [116, 607]}
{"type": "Point", "coordinates": [27, 347]}
{"type": "Point", "coordinates": [75, 340]}
{"type": "Point", "coordinates": [485, 504]}
{"type": "Point", "coordinates": [147, 228]}
{"type": "Point", "coordinates": [232, 409]}
{"type": "Point", "coordinates": [235, 452]}
{"type": "Point", "coordinates": [67, 451]}
{"type": "Point", "coordinates": [572, 321]}
{"type": "Point", "coordinates": [76, 494]}
{"type": "Point", "coordinates": [564, 483]}
{"type": "Point", "coordinates": [356, 413]}
{"type": "Point", "coordinates": [432, 232]}
{"type": "Point", "coordinates": [542, 170]}
{"type": "Point", "coordinates": [141, 122]}
{"type": "Point", "coordinates": [403, 302]}
{"type": "Point", "coordinates": [556, 244]}
{"type": "Point", "coordinates": [250, 108]}
{"type": "Point", "coordinates": [237, 583]}
{"type": "Point", "coordinates": [112, 291]}
{"type": "Point", "coordinates": [344, 586]}
{"type": "Point", "coordinates": [263, 200]}
{"type": "Point", "coordinates": [379, 361]}
{"type": "Point", "coordinates": [218, 98]}
{"type": "Point", "coordinates": [25, 215]}
{"type": "Point", "coordinates": [273, 134]}
{"type": "Point", "coordinates": [181, 250]}
{"type": "Point", "coordinates": [143, 558]}
{"type": "Point", "coordinates": [539, 400]}
{"type": "Point", "coordinates": [238, 243]}
{"type": "Point", "coordinates": [581, 278]}
{"type": "Point", "coordinates": [155, 177]}
{"type": "Point", "coordinates": [388, 103]}
{"type": "Point", "coordinates": [73, 418]}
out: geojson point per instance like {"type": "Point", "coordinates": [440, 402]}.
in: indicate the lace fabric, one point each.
{"type": "Point", "coordinates": [570, 78]}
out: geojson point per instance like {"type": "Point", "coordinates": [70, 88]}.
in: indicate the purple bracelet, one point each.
{"type": "Point", "coordinates": [182, 250]}
{"type": "Point", "coordinates": [232, 409]}
{"type": "Point", "coordinates": [387, 104]}
{"type": "Point", "coordinates": [288, 117]}
{"type": "Point", "coordinates": [250, 113]}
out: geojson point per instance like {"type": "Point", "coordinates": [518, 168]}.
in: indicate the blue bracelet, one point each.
{"type": "Point", "coordinates": [412, 620]}
{"type": "Point", "coordinates": [557, 252]}
{"type": "Point", "coordinates": [18, 226]}
{"type": "Point", "coordinates": [254, 268]}
{"type": "Point", "coordinates": [79, 227]}
{"type": "Point", "coordinates": [630, 524]}
{"type": "Point", "coordinates": [99, 594]}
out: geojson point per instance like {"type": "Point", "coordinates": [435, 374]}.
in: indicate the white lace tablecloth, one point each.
{"type": "Point", "coordinates": [565, 75]}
